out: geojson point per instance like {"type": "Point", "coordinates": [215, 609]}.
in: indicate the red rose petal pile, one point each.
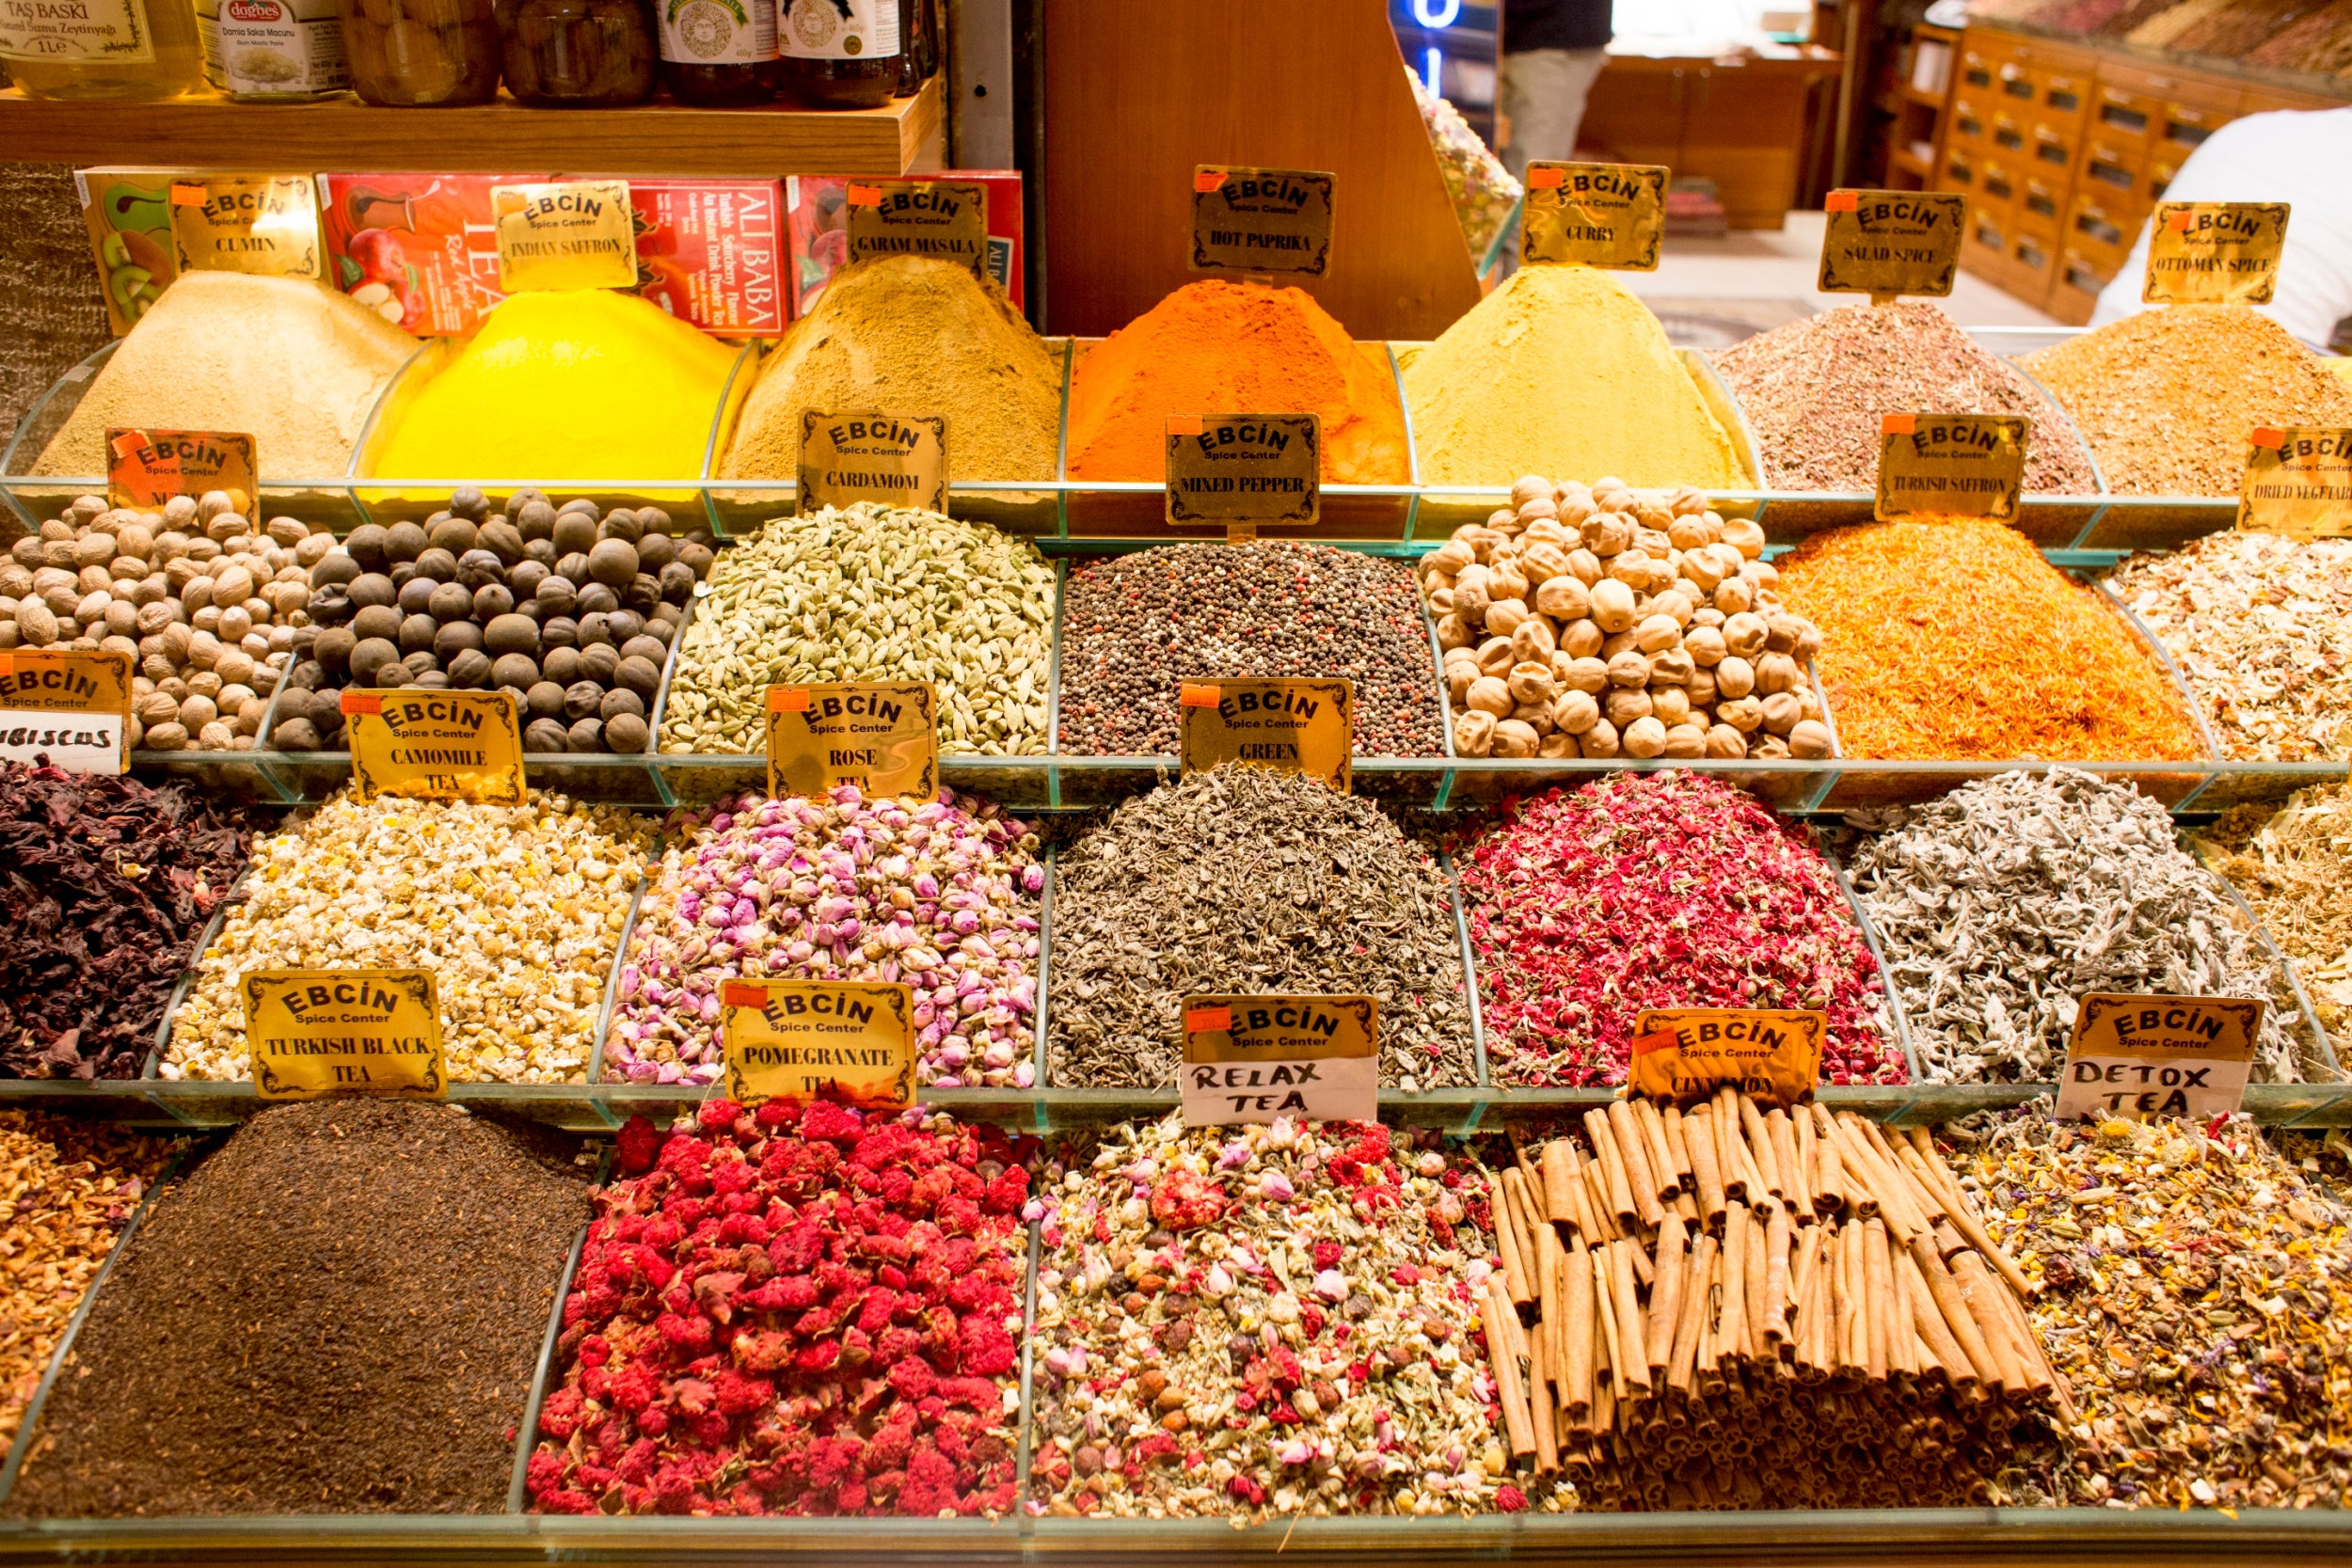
{"type": "Point", "coordinates": [793, 1311]}
{"type": "Point", "coordinates": [1659, 890]}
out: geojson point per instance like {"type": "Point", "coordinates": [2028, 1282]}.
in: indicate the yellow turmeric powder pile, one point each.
{"type": "Point", "coordinates": [1214, 347]}
{"type": "Point", "coordinates": [1562, 371]}
{"type": "Point", "coordinates": [1951, 638]}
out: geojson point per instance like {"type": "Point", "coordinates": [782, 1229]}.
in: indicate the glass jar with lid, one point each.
{"type": "Point", "coordinates": [273, 51]}
{"type": "Point", "coordinates": [717, 53]}
{"type": "Point", "coordinates": [421, 53]}
{"type": "Point", "coordinates": [841, 53]}
{"type": "Point", "coordinates": [578, 53]}
{"type": "Point", "coordinates": [125, 50]}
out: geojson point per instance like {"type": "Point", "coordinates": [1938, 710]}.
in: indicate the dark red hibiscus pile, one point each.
{"type": "Point", "coordinates": [792, 1310]}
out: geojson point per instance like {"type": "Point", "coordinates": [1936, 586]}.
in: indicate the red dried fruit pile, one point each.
{"type": "Point", "coordinates": [1659, 890]}
{"type": "Point", "coordinates": [792, 1311]}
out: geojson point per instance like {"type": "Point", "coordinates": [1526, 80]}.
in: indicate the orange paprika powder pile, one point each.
{"type": "Point", "coordinates": [1215, 347]}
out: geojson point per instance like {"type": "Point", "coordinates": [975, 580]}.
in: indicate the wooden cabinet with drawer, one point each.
{"type": "Point", "coordinates": [2103, 235]}
{"type": "Point", "coordinates": [2033, 259]}
{"type": "Point", "coordinates": [2124, 117]}
{"type": "Point", "coordinates": [1984, 241]}
{"type": "Point", "coordinates": [2115, 171]}
{"type": "Point", "coordinates": [2074, 291]}
{"type": "Point", "coordinates": [1958, 171]}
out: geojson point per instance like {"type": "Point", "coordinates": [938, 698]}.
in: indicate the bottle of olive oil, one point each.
{"type": "Point", "coordinates": [106, 49]}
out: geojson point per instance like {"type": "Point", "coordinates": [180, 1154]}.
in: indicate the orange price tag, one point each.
{"type": "Point", "coordinates": [1183, 424]}
{"type": "Point", "coordinates": [2268, 438]}
{"type": "Point", "coordinates": [362, 702]}
{"type": "Point", "coordinates": [788, 699]}
{"type": "Point", "coordinates": [1899, 424]}
{"type": "Point", "coordinates": [1659, 1040]}
{"type": "Point", "coordinates": [1195, 694]}
{"type": "Point", "coordinates": [1842, 202]}
{"type": "Point", "coordinates": [1545, 178]}
{"type": "Point", "coordinates": [187, 196]}
{"type": "Point", "coordinates": [2179, 220]}
{"type": "Point", "coordinates": [864, 195]}
{"type": "Point", "coordinates": [743, 993]}
{"type": "Point", "coordinates": [1201, 1020]}
{"type": "Point", "coordinates": [127, 441]}
{"type": "Point", "coordinates": [7, 665]}
{"type": "Point", "coordinates": [1207, 180]}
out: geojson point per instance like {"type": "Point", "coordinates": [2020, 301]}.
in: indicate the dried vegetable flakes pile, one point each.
{"type": "Point", "coordinates": [2167, 397]}
{"type": "Point", "coordinates": [1659, 890]}
{"type": "Point", "coordinates": [2261, 628]}
{"type": "Point", "coordinates": [1263, 1320]}
{"type": "Point", "coordinates": [2194, 1296]}
{"type": "Point", "coordinates": [941, 895]}
{"type": "Point", "coordinates": [70, 1187]}
{"type": "Point", "coordinates": [2295, 866]}
{"type": "Point", "coordinates": [1952, 639]}
{"type": "Point", "coordinates": [1242, 879]}
{"type": "Point", "coordinates": [105, 885]}
{"type": "Point", "coordinates": [793, 1311]}
{"type": "Point", "coordinates": [2000, 905]}
{"type": "Point", "coordinates": [516, 909]}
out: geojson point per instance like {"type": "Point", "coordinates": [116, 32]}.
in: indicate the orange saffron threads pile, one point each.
{"type": "Point", "coordinates": [1951, 638]}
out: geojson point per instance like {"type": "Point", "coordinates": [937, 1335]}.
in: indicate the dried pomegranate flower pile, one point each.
{"type": "Point", "coordinates": [793, 1311]}
{"type": "Point", "coordinates": [1659, 890]}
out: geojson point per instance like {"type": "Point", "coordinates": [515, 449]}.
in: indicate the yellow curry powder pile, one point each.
{"type": "Point", "coordinates": [1562, 371]}
{"type": "Point", "coordinates": [1951, 638]}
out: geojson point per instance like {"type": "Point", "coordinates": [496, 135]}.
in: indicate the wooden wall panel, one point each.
{"type": "Point", "coordinates": [1136, 94]}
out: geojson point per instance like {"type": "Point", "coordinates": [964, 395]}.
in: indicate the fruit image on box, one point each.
{"type": "Point", "coordinates": [584, 385]}
{"type": "Point", "coordinates": [817, 208]}
{"type": "Point", "coordinates": [128, 213]}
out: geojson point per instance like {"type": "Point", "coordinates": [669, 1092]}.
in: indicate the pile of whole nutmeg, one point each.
{"type": "Point", "coordinates": [212, 608]}
{"type": "Point", "coordinates": [1600, 622]}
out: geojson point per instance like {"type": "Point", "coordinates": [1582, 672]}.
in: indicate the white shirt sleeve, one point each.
{"type": "Point", "coordinates": [2302, 157]}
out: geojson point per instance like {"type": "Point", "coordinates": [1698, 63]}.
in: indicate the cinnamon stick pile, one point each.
{"type": "Point", "coordinates": [1736, 1308]}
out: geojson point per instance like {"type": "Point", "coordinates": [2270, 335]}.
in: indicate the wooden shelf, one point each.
{"type": "Point", "coordinates": [1933, 100]}
{"type": "Point", "coordinates": [660, 137]}
{"type": "Point", "coordinates": [1905, 160]}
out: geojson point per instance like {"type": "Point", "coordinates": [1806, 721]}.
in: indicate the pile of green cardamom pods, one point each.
{"type": "Point", "coordinates": [871, 593]}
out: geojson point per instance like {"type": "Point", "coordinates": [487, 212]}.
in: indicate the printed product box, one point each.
{"type": "Point", "coordinates": [128, 214]}
{"type": "Point", "coordinates": [141, 235]}
{"type": "Point", "coordinates": [818, 209]}
{"type": "Point", "coordinates": [710, 251]}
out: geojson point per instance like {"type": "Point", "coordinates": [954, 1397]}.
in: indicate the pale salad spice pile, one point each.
{"type": "Point", "coordinates": [939, 895]}
{"type": "Point", "coordinates": [871, 593]}
{"type": "Point", "coordinates": [1264, 1321]}
{"type": "Point", "coordinates": [2261, 628]}
{"type": "Point", "coordinates": [516, 909]}
{"type": "Point", "coordinates": [2168, 397]}
{"type": "Point", "coordinates": [1814, 389]}
{"type": "Point", "coordinates": [2295, 866]}
{"type": "Point", "coordinates": [2001, 905]}
{"type": "Point", "coordinates": [2196, 1294]}
{"type": "Point", "coordinates": [1242, 879]}
{"type": "Point", "coordinates": [70, 1186]}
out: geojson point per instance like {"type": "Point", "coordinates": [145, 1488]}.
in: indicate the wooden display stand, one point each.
{"type": "Point", "coordinates": [2061, 149]}
{"type": "Point", "coordinates": [1136, 95]}
{"type": "Point", "coordinates": [1739, 122]}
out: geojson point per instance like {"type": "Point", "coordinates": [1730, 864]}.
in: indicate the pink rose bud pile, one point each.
{"type": "Point", "coordinates": [943, 894]}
